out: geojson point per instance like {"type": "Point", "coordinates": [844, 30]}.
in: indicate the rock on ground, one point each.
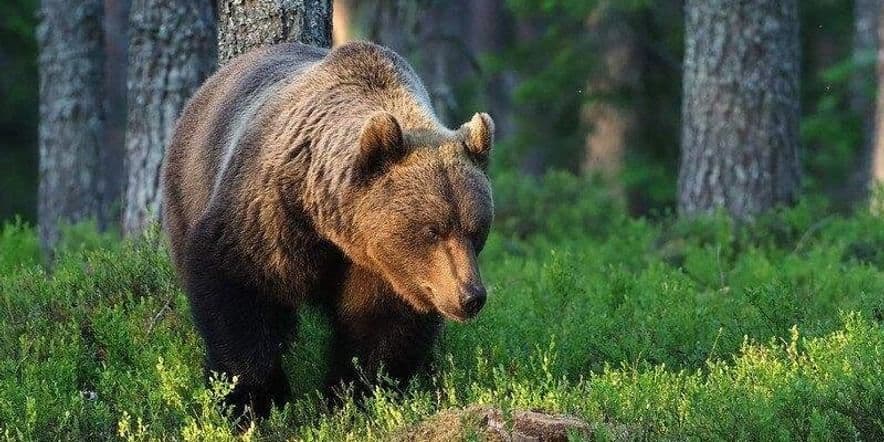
{"type": "Point", "coordinates": [490, 424]}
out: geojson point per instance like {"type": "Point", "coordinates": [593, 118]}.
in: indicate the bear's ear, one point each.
{"type": "Point", "coordinates": [380, 145]}
{"type": "Point", "coordinates": [479, 138]}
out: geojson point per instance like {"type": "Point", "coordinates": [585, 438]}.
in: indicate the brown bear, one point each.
{"type": "Point", "coordinates": [300, 175]}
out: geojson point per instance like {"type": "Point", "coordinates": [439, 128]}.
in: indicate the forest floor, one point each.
{"type": "Point", "coordinates": [634, 329]}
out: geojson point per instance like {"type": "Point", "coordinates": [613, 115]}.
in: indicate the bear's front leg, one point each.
{"type": "Point", "coordinates": [245, 337]}
{"type": "Point", "coordinates": [389, 339]}
{"type": "Point", "coordinates": [245, 331]}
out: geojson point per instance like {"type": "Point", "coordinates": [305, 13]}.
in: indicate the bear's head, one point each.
{"type": "Point", "coordinates": [426, 211]}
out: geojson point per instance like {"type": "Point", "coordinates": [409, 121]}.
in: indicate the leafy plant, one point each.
{"type": "Point", "coordinates": [660, 330]}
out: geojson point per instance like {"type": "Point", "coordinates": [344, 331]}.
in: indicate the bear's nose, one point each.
{"type": "Point", "coordinates": [473, 298]}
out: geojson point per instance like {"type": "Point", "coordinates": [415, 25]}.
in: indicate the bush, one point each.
{"type": "Point", "coordinates": [664, 330]}
{"type": "Point", "coordinates": [19, 247]}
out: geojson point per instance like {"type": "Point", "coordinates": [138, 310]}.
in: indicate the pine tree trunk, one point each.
{"type": "Point", "coordinates": [877, 155]}
{"type": "Point", "coordinates": [445, 60]}
{"type": "Point", "coordinates": [491, 31]}
{"type": "Point", "coordinates": [341, 21]}
{"type": "Point", "coordinates": [609, 117]}
{"type": "Point", "coordinates": [112, 156]}
{"type": "Point", "coordinates": [71, 114]}
{"type": "Point", "coordinates": [247, 24]}
{"type": "Point", "coordinates": [394, 24]}
{"type": "Point", "coordinates": [429, 33]}
{"type": "Point", "coordinates": [865, 44]}
{"type": "Point", "coordinates": [740, 107]}
{"type": "Point", "coordinates": [172, 50]}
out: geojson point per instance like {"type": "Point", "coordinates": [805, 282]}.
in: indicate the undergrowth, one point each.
{"type": "Point", "coordinates": [665, 329]}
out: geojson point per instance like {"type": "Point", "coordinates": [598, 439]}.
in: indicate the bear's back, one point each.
{"type": "Point", "coordinates": [212, 122]}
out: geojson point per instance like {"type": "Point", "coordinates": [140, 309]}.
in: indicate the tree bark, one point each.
{"type": "Point", "coordinates": [341, 21]}
{"type": "Point", "coordinates": [877, 156]}
{"type": "Point", "coordinates": [247, 24]}
{"type": "Point", "coordinates": [490, 32]}
{"type": "Point", "coordinates": [865, 44]}
{"type": "Point", "coordinates": [172, 50]}
{"type": "Point", "coordinates": [430, 34]}
{"type": "Point", "coordinates": [112, 155]}
{"type": "Point", "coordinates": [609, 117]}
{"type": "Point", "coordinates": [740, 107]}
{"type": "Point", "coordinates": [71, 115]}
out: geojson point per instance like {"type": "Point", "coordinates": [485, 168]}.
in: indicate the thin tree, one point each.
{"type": "Point", "coordinates": [172, 49]}
{"type": "Point", "coordinates": [112, 155]}
{"type": "Point", "coordinates": [431, 35]}
{"type": "Point", "coordinates": [243, 26]}
{"type": "Point", "coordinates": [491, 30]}
{"type": "Point", "coordinates": [611, 121]}
{"type": "Point", "coordinates": [70, 41]}
{"type": "Point", "coordinates": [877, 160]}
{"type": "Point", "coordinates": [865, 46]}
{"type": "Point", "coordinates": [866, 14]}
{"type": "Point", "coordinates": [740, 107]}
{"type": "Point", "coordinates": [341, 21]}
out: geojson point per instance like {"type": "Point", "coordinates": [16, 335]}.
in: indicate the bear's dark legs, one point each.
{"type": "Point", "coordinates": [259, 394]}
{"type": "Point", "coordinates": [397, 342]}
{"type": "Point", "coordinates": [245, 336]}
{"type": "Point", "coordinates": [245, 333]}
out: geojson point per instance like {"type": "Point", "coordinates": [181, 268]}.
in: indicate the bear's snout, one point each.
{"type": "Point", "coordinates": [472, 298]}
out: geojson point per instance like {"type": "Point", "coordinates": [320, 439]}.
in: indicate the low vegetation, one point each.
{"type": "Point", "coordinates": [652, 329]}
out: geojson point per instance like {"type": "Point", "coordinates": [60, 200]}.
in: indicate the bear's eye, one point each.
{"type": "Point", "coordinates": [432, 234]}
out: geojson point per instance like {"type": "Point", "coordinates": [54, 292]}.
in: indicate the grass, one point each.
{"type": "Point", "coordinates": [670, 330]}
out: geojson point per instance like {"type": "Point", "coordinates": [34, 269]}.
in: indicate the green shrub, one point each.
{"type": "Point", "coordinates": [663, 330]}
{"type": "Point", "coordinates": [19, 247]}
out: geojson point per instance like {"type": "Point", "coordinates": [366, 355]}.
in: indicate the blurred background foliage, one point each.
{"type": "Point", "coordinates": [540, 69]}
{"type": "Point", "coordinates": [18, 101]}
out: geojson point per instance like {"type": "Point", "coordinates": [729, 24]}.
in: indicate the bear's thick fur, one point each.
{"type": "Point", "coordinates": [299, 175]}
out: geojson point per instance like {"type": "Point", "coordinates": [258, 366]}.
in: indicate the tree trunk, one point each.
{"type": "Point", "coordinates": [341, 21]}
{"type": "Point", "coordinates": [490, 32]}
{"type": "Point", "coordinates": [71, 114]}
{"type": "Point", "coordinates": [862, 103]}
{"type": "Point", "coordinates": [877, 156]}
{"type": "Point", "coordinates": [536, 160]}
{"type": "Point", "coordinates": [172, 50]}
{"type": "Point", "coordinates": [865, 45]}
{"type": "Point", "coordinates": [247, 24]}
{"type": "Point", "coordinates": [430, 34]}
{"type": "Point", "coordinates": [112, 156]}
{"type": "Point", "coordinates": [610, 118]}
{"type": "Point", "coordinates": [740, 107]}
